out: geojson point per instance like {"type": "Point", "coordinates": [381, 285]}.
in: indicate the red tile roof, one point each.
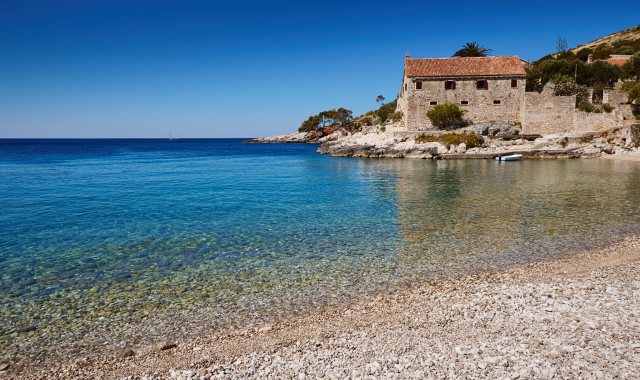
{"type": "Point", "coordinates": [617, 62]}
{"type": "Point", "coordinates": [462, 67]}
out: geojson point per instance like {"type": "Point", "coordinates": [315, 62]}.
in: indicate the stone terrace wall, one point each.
{"type": "Point", "coordinates": [545, 113]}
{"type": "Point", "coordinates": [593, 122]}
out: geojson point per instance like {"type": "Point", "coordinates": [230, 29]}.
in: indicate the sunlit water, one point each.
{"type": "Point", "coordinates": [107, 243]}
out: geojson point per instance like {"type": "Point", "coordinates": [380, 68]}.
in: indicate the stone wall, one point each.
{"type": "Point", "coordinates": [545, 113]}
{"type": "Point", "coordinates": [593, 122]}
{"type": "Point", "coordinates": [539, 113]}
{"type": "Point", "coordinates": [414, 103]}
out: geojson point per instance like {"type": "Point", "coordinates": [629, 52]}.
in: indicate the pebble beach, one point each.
{"type": "Point", "coordinates": [573, 317]}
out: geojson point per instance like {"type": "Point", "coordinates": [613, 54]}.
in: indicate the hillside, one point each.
{"type": "Point", "coordinates": [624, 42]}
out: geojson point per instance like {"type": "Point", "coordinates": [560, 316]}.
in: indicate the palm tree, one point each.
{"type": "Point", "coordinates": [472, 49]}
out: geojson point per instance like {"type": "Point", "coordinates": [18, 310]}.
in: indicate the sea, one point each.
{"type": "Point", "coordinates": [108, 243]}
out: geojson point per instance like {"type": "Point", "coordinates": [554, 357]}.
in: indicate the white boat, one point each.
{"type": "Point", "coordinates": [511, 157]}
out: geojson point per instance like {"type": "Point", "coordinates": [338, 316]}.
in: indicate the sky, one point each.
{"type": "Point", "coordinates": [85, 69]}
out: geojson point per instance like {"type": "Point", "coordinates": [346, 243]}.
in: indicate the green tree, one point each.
{"type": "Point", "coordinates": [446, 115]}
{"type": "Point", "coordinates": [472, 49]}
{"type": "Point", "coordinates": [328, 118]}
{"type": "Point", "coordinates": [564, 85]}
{"type": "Point", "coordinates": [631, 68]}
{"type": "Point", "coordinates": [632, 88]}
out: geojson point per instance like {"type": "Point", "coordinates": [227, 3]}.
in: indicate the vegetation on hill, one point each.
{"type": "Point", "coordinates": [623, 42]}
{"type": "Point", "coordinates": [472, 49]}
{"type": "Point", "coordinates": [343, 118]}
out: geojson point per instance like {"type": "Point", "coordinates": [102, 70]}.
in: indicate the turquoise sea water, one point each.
{"type": "Point", "coordinates": [107, 243]}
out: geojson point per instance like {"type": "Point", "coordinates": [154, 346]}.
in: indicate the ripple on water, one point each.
{"type": "Point", "coordinates": [148, 241]}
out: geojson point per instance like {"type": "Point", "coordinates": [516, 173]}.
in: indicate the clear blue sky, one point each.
{"type": "Point", "coordinates": [246, 68]}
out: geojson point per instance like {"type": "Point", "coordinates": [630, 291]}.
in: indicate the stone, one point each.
{"type": "Point", "coordinates": [125, 353]}
{"type": "Point", "coordinates": [165, 346]}
{"type": "Point", "coordinates": [4, 367]}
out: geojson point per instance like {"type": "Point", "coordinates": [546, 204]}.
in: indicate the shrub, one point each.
{"type": "Point", "coordinates": [606, 107]}
{"type": "Point", "coordinates": [586, 138]}
{"type": "Point", "coordinates": [564, 85]}
{"type": "Point", "coordinates": [395, 116]}
{"type": "Point", "coordinates": [383, 129]}
{"type": "Point", "coordinates": [632, 88]}
{"type": "Point", "coordinates": [585, 106]}
{"type": "Point", "coordinates": [471, 140]}
{"type": "Point", "coordinates": [446, 115]}
{"type": "Point", "coordinates": [386, 111]}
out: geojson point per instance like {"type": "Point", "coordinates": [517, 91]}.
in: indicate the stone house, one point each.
{"type": "Point", "coordinates": [493, 89]}
{"type": "Point", "coordinates": [487, 88]}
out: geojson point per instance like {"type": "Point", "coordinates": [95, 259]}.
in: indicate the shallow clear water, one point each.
{"type": "Point", "coordinates": [111, 242]}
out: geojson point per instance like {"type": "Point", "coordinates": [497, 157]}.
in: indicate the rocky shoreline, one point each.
{"type": "Point", "coordinates": [496, 139]}
{"type": "Point", "coordinates": [574, 317]}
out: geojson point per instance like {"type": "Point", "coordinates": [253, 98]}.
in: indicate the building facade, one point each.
{"type": "Point", "coordinates": [487, 88]}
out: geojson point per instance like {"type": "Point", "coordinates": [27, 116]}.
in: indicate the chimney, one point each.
{"type": "Point", "coordinates": [590, 58]}
{"type": "Point", "coordinates": [406, 55]}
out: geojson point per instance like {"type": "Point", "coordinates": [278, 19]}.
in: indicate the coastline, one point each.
{"type": "Point", "coordinates": [493, 140]}
{"type": "Point", "coordinates": [569, 317]}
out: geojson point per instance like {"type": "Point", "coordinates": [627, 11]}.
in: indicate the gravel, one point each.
{"type": "Point", "coordinates": [576, 317]}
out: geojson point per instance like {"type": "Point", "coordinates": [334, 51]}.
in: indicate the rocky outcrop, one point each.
{"type": "Point", "coordinates": [496, 140]}
{"type": "Point", "coordinates": [297, 137]}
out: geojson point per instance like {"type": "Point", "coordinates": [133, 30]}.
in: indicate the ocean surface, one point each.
{"type": "Point", "coordinates": [112, 243]}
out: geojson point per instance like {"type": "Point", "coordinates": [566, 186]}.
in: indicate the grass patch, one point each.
{"type": "Point", "coordinates": [471, 140]}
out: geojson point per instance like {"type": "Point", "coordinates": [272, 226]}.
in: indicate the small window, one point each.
{"type": "Point", "coordinates": [405, 87]}
{"type": "Point", "coordinates": [496, 102]}
{"type": "Point", "coordinates": [418, 85]}
{"type": "Point", "coordinates": [449, 85]}
{"type": "Point", "coordinates": [514, 83]}
{"type": "Point", "coordinates": [433, 103]}
{"type": "Point", "coordinates": [482, 84]}
{"type": "Point", "coordinates": [464, 102]}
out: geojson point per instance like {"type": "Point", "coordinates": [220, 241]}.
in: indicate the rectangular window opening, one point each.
{"type": "Point", "coordinates": [449, 85]}
{"type": "Point", "coordinates": [482, 84]}
{"type": "Point", "coordinates": [433, 103]}
{"type": "Point", "coordinates": [464, 102]}
{"type": "Point", "coordinates": [496, 102]}
{"type": "Point", "coordinates": [418, 85]}
{"type": "Point", "coordinates": [514, 83]}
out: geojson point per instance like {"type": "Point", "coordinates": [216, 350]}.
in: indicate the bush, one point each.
{"type": "Point", "coordinates": [632, 88]}
{"type": "Point", "coordinates": [585, 106]}
{"type": "Point", "coordinates": [447, 115]}
{"type": "Point", "coordinates": [386, 111]}
{"type": "Point", "coordinates": [606, 107]}
{"type": "Point", "coordinates": [471, 140]}
{"type": "Point", "coordinates": [564, 85]}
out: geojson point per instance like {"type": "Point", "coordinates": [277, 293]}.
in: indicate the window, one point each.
{"type": "Point", "coordinates": [482, 84]}
{"type": "Point", "coordinates": [464, 102]}
{"type": "Point", "coordinates": [433, 103]}
{"type": "Point", "coordinates": [418, 85]}
{"type": "Point", "coordinates": [405, 87]}
{"type": "Point", "coordinates": [449, 85]}
{"type": "Point", "coordinates": [514, 83]}
{"type": "Point", "coordinates": [496, 102]}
